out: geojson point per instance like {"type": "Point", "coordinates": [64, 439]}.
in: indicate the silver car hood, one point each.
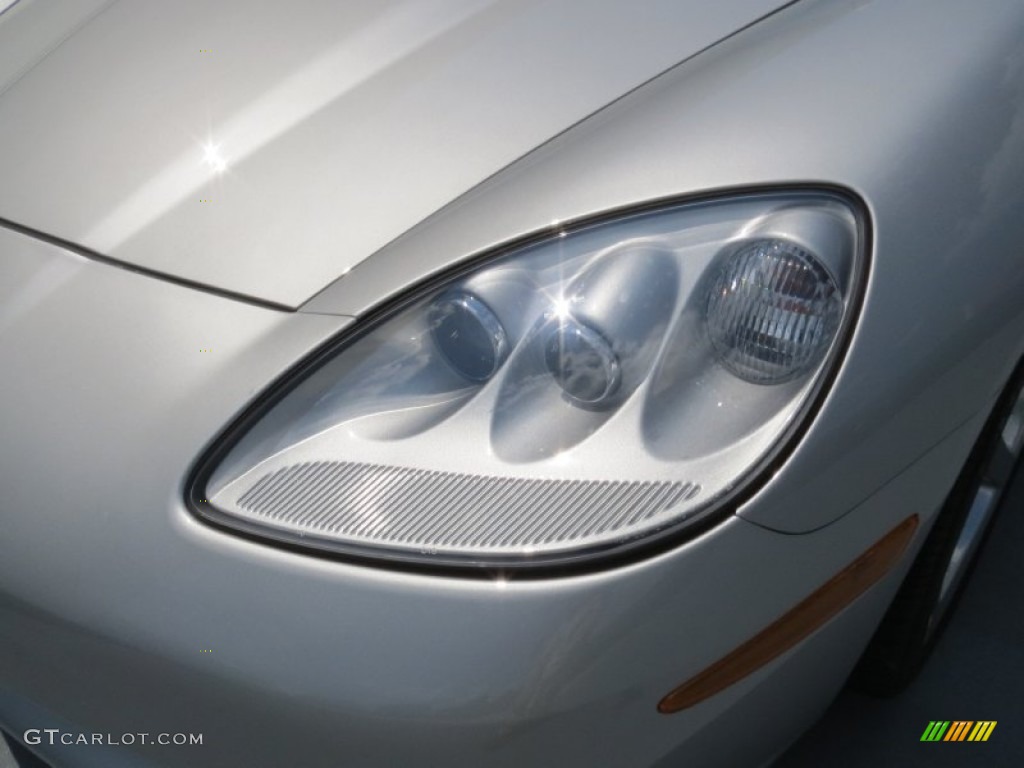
{"type": "Point", "coordinates": [265, 148]}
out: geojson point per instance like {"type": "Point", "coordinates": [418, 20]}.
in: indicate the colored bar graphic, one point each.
{"type": "Point", "coordinates": [982, 730]}
{"type": "Point", "coordinates": [935, 730]}
{"type": "Point", "coordinates": [958, 730]}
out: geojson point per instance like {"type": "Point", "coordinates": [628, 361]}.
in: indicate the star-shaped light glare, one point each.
{"type": "Point", "coordinates": [213, 158]}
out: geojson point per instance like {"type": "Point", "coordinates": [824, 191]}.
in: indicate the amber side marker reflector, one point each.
{"type": "Point", "coordinates": [782, 634]}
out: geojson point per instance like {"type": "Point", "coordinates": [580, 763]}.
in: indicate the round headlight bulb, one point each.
{"type": "Point", "coordinates": [468, 335]}
{"type": "Point", "coordinates": [772, 311]}
{"type": "Point", "coordinates": [582, 362]}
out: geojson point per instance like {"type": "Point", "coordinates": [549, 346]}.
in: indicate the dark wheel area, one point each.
{"type": "Point", "coordinates": [929, 594]}
{"type": "Point", "coordinates": [975, 672]}
{"type": "Point", "coordinates": [14, 755]}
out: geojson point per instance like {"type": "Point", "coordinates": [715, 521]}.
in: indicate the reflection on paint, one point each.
{"type": "Point", "coordinates": [213, 157]}
{"type": "Point", "coordinates": [392, 37]}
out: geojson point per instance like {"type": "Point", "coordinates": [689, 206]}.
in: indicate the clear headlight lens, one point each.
{"type": "Point", "coordinates": [608, 385]}
{"type": "Point", "coordinates": [469, 335]}
{"type": "Point", "coordinates": [773, 311]}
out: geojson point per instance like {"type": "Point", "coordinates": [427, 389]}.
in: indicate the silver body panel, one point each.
{"type": "Point", "coordinates": [335, 126]}
{"type": "Point", "coordinates": [110, 590]}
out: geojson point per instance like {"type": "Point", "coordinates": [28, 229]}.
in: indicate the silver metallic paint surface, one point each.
{"type": "Point", "coordinates": [315, 131]}
{"type": "Point", "coordinates": [109, 588]}
{"type": "Point", "coordinates": [40, 27]}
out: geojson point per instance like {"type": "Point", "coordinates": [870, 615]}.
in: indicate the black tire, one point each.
{"type": "Point", "coordinates": [922, 608]}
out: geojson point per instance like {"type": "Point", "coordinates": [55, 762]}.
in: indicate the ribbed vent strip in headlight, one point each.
{"type": "Point", "coordinates": [414, 508]}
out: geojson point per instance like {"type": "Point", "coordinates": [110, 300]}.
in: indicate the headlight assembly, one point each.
{"type": "Point", "coordinates": [605, 387]}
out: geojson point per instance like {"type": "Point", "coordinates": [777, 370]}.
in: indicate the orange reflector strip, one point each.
{"type": "Point", "coordinates": [837, 593]}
